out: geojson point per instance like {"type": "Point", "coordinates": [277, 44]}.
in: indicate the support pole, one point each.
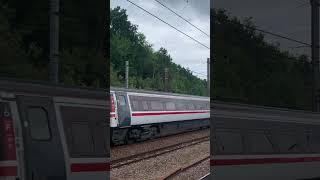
{"type": "Point", "coordinates": [208, 76]}
{"type": "Point", "coordinates": [54, 42]}
{"type": "Point", "coordinates": [166, 79]}
{"type": "Point", "coordinates": [315, 53]}
{"type": "Point", "coordinates": [127, 75]}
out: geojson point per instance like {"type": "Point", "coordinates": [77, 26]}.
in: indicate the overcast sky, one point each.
{"type": "Point", "coordinates": [285, 17]}
{"type": "Point", "coordinates": [183, 50]}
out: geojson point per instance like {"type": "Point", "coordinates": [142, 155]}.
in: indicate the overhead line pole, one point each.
{"type": "Point", "coordinates": [54, 42]}
{"type": "Point", "coordinates": [127, 75]}
{"type": "Point", "coordinates": [315, 53]}
{"type": "Point", "coordinates": [166, 84]}
{"type": "Point", "coordinates": [208, 76]}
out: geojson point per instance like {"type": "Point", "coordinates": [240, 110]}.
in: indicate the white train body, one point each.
{"type": "Point", "coordinates": [137, 111]}
{"type": "Point", "coordinates": [252, 142]}
{"type": "Point", "coordinates": [53, 132]}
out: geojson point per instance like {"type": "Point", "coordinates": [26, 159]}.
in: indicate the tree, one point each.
{"type": "Point", "coordinates": [250, 70]}
{"type": "Point", "coordinates": [146, 65]}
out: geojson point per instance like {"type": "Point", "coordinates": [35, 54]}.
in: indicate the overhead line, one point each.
{"type": "Point", "coordinates": [280, 36]}
{"type": "Point", "coordinates": [181, 17]}
{"type": "Point", "coordinates": [253, 28]}
{"type": "Point", "coordinates": [169, 24]}
{"type": "Point", "coordinates": [275, 35]}
{"type": "Point", "coordinates": [198, 73]}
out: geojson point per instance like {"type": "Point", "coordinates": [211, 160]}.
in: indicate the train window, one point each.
{"type": "Point", "coordinates": [156, 105]}
{"type": "Point", "coordinates": [287, 143]}
{"type": "Point", "coordinates": [258, 142]}
{"type": "Point", "coordinates": [122, 100]}
{"type": "Point", "coordinates": [182, 106]}
{"type": "Point", "coordinates": [229, 142]}
{"type": "Point", "coordinates": [204, 105]}
{"type": "Point", "coordinates": [135, 105]}
{"type": "Point", "coordinates": [145, 105]}
{"type": "Point", "coordinates": [170, 106]}
{"type": "Point", "coordinates": [39, 123]}
{"type": "Point", "coordinates": [200, 106]}
{"type": "Point", "coordinates": [197, 106]}
{"type": "Point", "coordinates": [191, 106]}
{"type": "Point", "coordinates": [82, 140]}
{"type": "Point", "coordinates": [85, 130]}
{"type": "Point", "coordinates": [314, 143]}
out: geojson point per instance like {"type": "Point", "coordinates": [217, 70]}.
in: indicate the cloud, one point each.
{"type": "Point", "coordinates": [285, 17]}
{"type": "Point", "coordinates": [200, 7]}
{"type": "Point", "coordinates": [183, 50]}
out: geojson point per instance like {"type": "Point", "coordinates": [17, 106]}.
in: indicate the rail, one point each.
{"type": "Point", "coordinates": [157, 152]}
{"type": "Point", "coordinates": [183, 169]}
{"type": "Point", "coordinates": [205, 177]}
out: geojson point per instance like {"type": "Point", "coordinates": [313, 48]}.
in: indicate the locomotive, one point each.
{"type": "Point", "coordinates": [138, 115]}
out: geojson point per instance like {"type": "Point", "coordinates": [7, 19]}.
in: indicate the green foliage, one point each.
{"type": "Point", "coordinates": [146, 66]}
{"type": "Point", "coordinates": [13, 57]}
{"type": "Point", "coordinates": [24, 41]}
{"type": "Point", "coordinates": [247, 69]}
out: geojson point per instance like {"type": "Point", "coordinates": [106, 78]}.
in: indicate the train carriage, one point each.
{"type": "Point", "coordinates": [138, 115]}
{"type": "Point", "coordinates": [254, 142]}
{"type": "Point", "coordinates": [53, 132]}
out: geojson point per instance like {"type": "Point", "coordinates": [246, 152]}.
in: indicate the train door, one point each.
{"type": "Point", "coordinates": [124, 117]}
{"type": "Point", "coordinates": [44, 157]}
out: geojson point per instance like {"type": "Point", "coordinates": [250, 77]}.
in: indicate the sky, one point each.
{"type": "Point", "coordinates": [182, 49]}
{"type": "Point", "coordinates": [289, 18]}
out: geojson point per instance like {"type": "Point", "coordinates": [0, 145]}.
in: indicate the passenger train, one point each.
{"type": "Point", "coordinates": [255, 142]}
{"type": "Point", "coordinates": [138, 115]}
{"type": "Point", "coordinates": [53, 132]}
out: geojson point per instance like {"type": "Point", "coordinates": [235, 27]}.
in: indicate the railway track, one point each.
{"type": "Point", "coordinates": [117, 163]}
{"type": "Point", "coordinates": [185, 168]}
{"type": "Point", "coordinates": [205, 177]}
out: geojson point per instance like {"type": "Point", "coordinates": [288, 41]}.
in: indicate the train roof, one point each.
{"type": "Point", "coordinates": [20, 86]}
{"type": "Point", "coordinates": [255, 112]}
{"type": "Point", "coordinates": [154, 92]}
{"type": "Point", "coordinates": [218, 103]}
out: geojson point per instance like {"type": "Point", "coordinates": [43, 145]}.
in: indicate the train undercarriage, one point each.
{"type": "Point", "coordinates": [133, 134]}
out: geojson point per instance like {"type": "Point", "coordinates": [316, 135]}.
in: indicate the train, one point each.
{"type": "Point", "coordinates": [50, 131]}
{"type": "Point", "coordinates": [256, 142]}
{"type": "Point", "coordinates": [138, 115]}
{"type": "Point", "coordinates": [60, 132]}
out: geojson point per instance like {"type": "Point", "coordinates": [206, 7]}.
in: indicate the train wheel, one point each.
{"type": "Point", "coordinates": [130, 137]}
{"type": "Point", "coordinates": [129, 140]}
{"type": "Point", "coordinates": [154, 132]}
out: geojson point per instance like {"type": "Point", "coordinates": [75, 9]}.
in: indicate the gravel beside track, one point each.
{"type": "Point", "coordinates": [161, 166]}
{"type": "Point", "coordinates": [116, 163]}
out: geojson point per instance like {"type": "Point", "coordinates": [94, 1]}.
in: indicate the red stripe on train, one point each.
{"type": "Point", "coordinates": [228, 162]}
{"type": "Point", "coordinates": [8, 171]}
{"type": "Point", "coordinates": [8, 138]}
{"type": "Point", "coordinates": [87, 167]}
{"type": "Point", "coordinates": [167, 113]}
